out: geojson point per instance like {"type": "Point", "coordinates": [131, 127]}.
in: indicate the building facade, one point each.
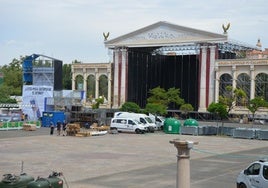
{"type": "Point", "coordinates": [199, 63]}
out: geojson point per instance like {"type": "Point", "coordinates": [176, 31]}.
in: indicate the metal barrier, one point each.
{"type": "Point", "coordinates": [262, 134]}
{"type": "Point", "coordinates": [189, 130]}
{"type": "Point", "coordinates": [249, 133]}
{"type": "Point", "coordinates": [17, 125]}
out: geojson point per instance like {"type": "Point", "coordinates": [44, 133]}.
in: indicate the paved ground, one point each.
{"type": "Point", "coordinates": [121, 160]}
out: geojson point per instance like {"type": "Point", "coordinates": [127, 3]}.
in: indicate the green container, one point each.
{"type": "Point", "coordinates": [46, 183]}
{"type": "Point", "coordinates": [14, 181]}
{"type": "Point", "coordinates": [172, 126]}
{"type": "Point", "coordinates": [9, 124]}
{"type": "Point", "coordinates": [53, 181]}
{"type": "Point", "coordinates": [20, 123]}
{"type": "Point", "coordinates": [38, 123]}
{"type": "Point", "coordinates": [5, 125]}
{"type": "Point", "coordinates": [190, 122]}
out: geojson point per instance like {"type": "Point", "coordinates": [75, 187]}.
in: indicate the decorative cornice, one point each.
{"type": "Point", "coordinates": [242, 62]}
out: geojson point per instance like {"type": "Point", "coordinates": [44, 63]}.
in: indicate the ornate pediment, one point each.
{"type": "Point", "coordinates": [164, 34]}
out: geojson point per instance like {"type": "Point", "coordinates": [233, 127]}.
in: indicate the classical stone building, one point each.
{"type": "Point", "coordinates": [167, 55]}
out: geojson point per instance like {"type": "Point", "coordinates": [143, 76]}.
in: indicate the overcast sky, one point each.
{"type": "Point", "coordinates": [72, 29]}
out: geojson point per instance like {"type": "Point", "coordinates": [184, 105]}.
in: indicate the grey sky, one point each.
{"type": "Point", "coordinates": [72, 29]}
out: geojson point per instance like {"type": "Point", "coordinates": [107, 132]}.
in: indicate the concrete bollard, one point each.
{"type": "Point", "coordinates": [183, 162]}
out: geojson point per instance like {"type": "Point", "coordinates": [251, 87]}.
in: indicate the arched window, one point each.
{"type": "Point", "coordinates": [261, 86]}
{"type": "Point", "coordinates": [225, 80]}
{"type": "Point", "coordinates": [91, 87]}
{"type": "Point", "coordinates": [79, 82]}
{"type": "Point", "coordinates": [243, 82]}
{"type": "Point", "coordinates": [103, 86]}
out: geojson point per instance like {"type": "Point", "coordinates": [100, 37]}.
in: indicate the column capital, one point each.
{"type": "Point", "coordinates": [212, 47]}
{"type": "Point", "coordinates": [183, 147]}
{"type": "Point", "coordinates": [252, 68]}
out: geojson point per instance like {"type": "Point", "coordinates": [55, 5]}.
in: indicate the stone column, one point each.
{"type": "Point", "coordinates": [84, 80]}
{"type": "Point", "coordinates": [96, 83]}
{"type": "Point", "coordinates": [234, 76]}
{"type": "Point", "coordinates": [183, 162]}
{"type": "Point", "coordinates": [203, 70]}
{"type": "Point", "coordinates": [217, 84]}
{"type": "Point", "coordinates": [212, 86]}
{"type": "Point", "coordinates": [116, 78]}
{"type": "Point", "coordinates": [73, 79]}
{"type": "Point", "coordinates": [123, 77]}
{"type": "Point", "coordinates": [252, 82]}
{"type": "Point", "coordinates": [109, 87]}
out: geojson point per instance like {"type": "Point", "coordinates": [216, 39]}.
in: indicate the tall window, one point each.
{"type": "Point", "coordinates": [243, 82]}
{"type": "Point", "coordinates": [91, 87]}
{"type": "Point", "coordinates": [103, 86]}
{"type": "Point", "coordinates": [225, 80]}
{"type": "Point", "coordinates": [79, 82]}
{"type": "Point", "coordinates": [261, 86]}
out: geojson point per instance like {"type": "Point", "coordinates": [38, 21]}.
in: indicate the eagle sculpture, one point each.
{"type": "Point", "coordinates": [225, 28]}
{"type": "Point", "coordinates": [106, 36]}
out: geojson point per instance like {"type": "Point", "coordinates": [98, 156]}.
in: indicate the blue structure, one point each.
{"type": "Point", "coordinates": [42, 71]}
{"type": "Point", "coordinates": [52, 117]}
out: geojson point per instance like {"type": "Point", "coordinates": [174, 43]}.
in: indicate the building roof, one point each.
{"type": "Point", "coordinates": [163, 34]}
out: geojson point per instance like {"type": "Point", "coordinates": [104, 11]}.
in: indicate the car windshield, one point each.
{"type": "Point", "coordinates": [137, 121]}
{"type": "Point", "coordinates": [148, 120]}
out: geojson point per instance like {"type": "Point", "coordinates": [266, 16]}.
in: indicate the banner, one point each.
{"type": "Point", "coordinates": [33, 100]}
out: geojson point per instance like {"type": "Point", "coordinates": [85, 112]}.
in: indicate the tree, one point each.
{"type": "Point", "coordinates": [97, 103]}
{"type": "Point", "coordinates": [232, 96]}
{"type": "Point", "coordinates": [158, 96]}
{"type": "Point", "coordinates": [156, 109]}
{"type": "Point", "coordinates": [67, 76]}
{"type": "Point", "coordinates": [186, 108]}
{"type": "Point", "coordinates": [219, 109]}
{"type": "Point", "coordinates": [12, 81]}
{"type": "Point", "coordinates": [255, 104]}
{"type": "Point", "coordinates": [130, 107]}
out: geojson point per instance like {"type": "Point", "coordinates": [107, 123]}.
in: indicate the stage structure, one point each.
{"type": "Point", "coordinates": [42, 75]}
{"type": "Point", "coordinates": [168, 55]}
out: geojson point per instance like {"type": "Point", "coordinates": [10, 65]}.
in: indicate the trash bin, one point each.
{"type": "Point", "coordinates": [52, 181]}
{"type": "Point", "coordinates": [14, 181]}
{"type": "Point", "coordinates": [190, 122]}
{"type": "Point", "coordinates": [172, 126]}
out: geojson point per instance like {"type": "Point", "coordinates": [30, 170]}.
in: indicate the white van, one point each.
{"type": "Point", "coordinates": [122, 124]}
{"type": "Point", "coordinates": [143, 118]}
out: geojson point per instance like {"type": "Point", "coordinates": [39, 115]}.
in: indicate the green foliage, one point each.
{"type": "Point", "coordinates": [67, 76]}
{"type": "Point", "coordinates": [161, 96]}
{"type": "Point", "coordinates": [219, 109]}
{"type": "Point", "coordinates": [256, 103]}
{"type": "Point", "coordinates": [156, 109]}
{"type": "Point", "coordinates": [232, 96]}
{"type": "Point", "coordinates": [130, 107]}
{"type": "Point", "coordinates": [158, 96]}
{"type": "Point", "coordinates": [173, 96]}
{"type": "Point", "coordinates": [97, 103]}
{"type": "Point", "coordinates": [186, 108]}
{"type": "Point", "coordinates": [12, 81]}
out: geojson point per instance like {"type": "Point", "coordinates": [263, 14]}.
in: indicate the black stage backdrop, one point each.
{"type": "Point", "coordinates": [147, 71]}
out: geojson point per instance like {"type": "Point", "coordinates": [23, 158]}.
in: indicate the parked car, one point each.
{"type": "Point", "coordinates": [127, 125]}
{"type": "Point", "coordinates": [254, 176]}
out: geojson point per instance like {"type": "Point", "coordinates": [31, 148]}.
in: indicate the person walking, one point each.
{"type": "Point", "coordinates": [58, 128]}
{"type": "Point", "coordinates": [64, 126]}
{"type": "Point", "coordinates": [51, 128]}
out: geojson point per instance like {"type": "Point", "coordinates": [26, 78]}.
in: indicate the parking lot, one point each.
{"type": "Point", "coordinates": [126, 160]}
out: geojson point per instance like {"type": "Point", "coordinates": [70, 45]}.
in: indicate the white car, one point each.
{"type": "Point", "coordinates": [254, 176]}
